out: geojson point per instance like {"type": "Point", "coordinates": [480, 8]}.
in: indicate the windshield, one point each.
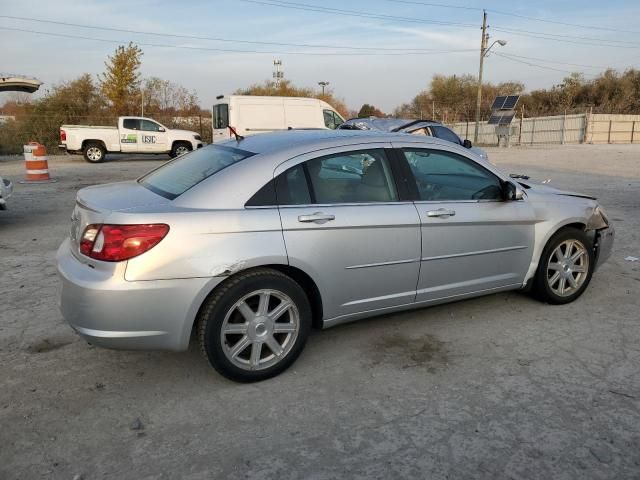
{"type": "Point", "coordinates": [176, 177]}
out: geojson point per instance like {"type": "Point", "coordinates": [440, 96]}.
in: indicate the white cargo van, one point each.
{"type": "Point", "coordinates": [249, 114]}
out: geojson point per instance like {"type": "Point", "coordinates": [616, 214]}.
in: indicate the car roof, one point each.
{"type": "Point", "coordinates": [230, 186]}
{"type": "Point", "coordinates": [291, 141]}
{"type": "Point", "coordinates": [385, 124]}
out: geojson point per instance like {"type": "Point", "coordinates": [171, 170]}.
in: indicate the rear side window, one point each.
{"type": "Point", "coordinates": [292, 187]}
{"type": "Point", "coordinates": [351, 177]}
{"type": "Point", "coordinates": [176, 177]}
{"type": "Point", "coordinates": [131, 124]}
{"type": "Point", "coordinates": [221, 115]}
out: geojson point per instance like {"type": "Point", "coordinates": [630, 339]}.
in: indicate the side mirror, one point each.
{"type": "Point", "coordinates": [161, 129]}
{"type": "Point", "coordinates": [467, 143]}
{"type": "Point", "coordinates": [513, 191]}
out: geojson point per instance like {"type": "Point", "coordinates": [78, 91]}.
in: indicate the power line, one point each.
{"type": "Point", "coordinates": [217, 39]}
{"type": "Point", "coordinates": [556, 62]}
{"type": "Point", "coordinates": [562, 36]}
{"type": "Point", "coordinates": [508, 57]}
{"type": "Point", "coordinates": [572, 39]}
{"type": "Point", "coordinates": [189, 47]}
{"type": "Point", "coordinates": [566, 24]}
{"type": "Point", "coordinates": [354, 13]}
{"type": "Point", "coordinates": [516, 15]}
{"type": "Point", "coordinates": [441, 5]}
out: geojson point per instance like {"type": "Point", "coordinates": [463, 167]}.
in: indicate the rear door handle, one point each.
{"type": "Point", "coordinates": [316, 217]}
{"type": "Point", "coordinates": [441, 212]}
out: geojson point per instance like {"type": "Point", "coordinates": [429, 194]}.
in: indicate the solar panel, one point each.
{"type": "Point", "coordinates": [501, 117]}
{"type": "Point", "coordinates": [497, 103]}
{"type": "Point", "coordinates": [507, 118]}
{"type": "Point", "coordinates": [510, 102]}
{"type": "Point", "coordinates": [494, 119]}
{"type": "Point", "coordinates": [505, 102]}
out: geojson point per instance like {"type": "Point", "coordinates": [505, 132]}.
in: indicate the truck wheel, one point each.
{"type": "Point", "coordinates": [180, 148]}
{"type": "Point", "coordinates": [94, 152]}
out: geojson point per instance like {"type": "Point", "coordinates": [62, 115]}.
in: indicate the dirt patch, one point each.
{"type": "Point", "coordinates": [47, 345]}
{"type": "Point", "coordinates": [407, 352]}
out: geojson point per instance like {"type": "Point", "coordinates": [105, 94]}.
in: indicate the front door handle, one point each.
{"type": "Point", "coordinates": [441, 212]}
{"type": "Point", "coordinates": [316, 217]}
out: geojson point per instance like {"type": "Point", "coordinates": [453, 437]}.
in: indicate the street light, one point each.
{"type": "Point", "coordinates": [323, 84]}
{"type": "Point", "coordinates": [483, 53]}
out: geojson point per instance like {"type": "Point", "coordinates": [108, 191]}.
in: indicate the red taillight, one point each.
{"type": "Point", "coordinates": [114, 243]}
{"type": "Point", "coordinates": [63, 135]}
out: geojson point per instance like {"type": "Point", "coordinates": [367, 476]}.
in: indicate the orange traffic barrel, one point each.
{"type": "Point", "coordinates": [36, 163]}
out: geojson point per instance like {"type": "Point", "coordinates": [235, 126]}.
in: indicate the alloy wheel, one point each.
{"type": "Point", "coordinates": [181, 150]}
{"type": "Point", "coordinates": [567, 268]}
{"type": "Point", "coordinates": [94, 154]}
{"type": "Point", "coordinates": [260, 329]}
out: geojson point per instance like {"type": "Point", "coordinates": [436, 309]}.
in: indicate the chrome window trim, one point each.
{"type": "Point", "coordinates": [328, 205]}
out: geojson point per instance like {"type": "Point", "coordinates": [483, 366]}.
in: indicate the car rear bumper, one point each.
{"type": "Point", "coordinates": [604, 242]}
{"type": "Point", "coordinates": [111, 312]}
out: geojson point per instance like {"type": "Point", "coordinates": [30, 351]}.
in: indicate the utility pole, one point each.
{"type": "Point", "coordinates": [142, 102]}
{"type": "Point", "coordinates": [483, 48]}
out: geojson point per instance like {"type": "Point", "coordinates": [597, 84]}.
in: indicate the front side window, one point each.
{"type": "Point", "coordinates": [149, 126]}
{"type": "Point", "coordinates": [131, 124]}
{"type": "Point", "coordinates": [329, 121]}
{"type": "Point", "coordinates": [221, 115]}
{"type": "Point", "coordinates": [176, 177]}
{"type": "Point", "coordinates": [445, 134]}
{"type": "Point", "coordinates": [446, 176]}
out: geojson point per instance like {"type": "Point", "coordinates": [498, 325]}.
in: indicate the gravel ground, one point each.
{"type": "Point", "coordinates": [495, 387]}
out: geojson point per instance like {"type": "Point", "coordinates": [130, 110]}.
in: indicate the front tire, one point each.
{"type": "Point", "coordinates": [180, 148]}
{"type": "Point", "coordinates": [255, 325]}
{"type": "Point", "coordinates": [94, 152]}
{"type": "Point", "coordinates": [565, 267]}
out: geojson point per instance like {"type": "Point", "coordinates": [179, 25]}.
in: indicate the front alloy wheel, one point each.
{"type": "Point", "coordinates": [565, 267]}
{"type": "Point", "coordinates": [181, 150]}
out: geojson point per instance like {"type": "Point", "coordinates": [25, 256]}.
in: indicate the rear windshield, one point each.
{"type": "Point", "coordinates": [176, 177]}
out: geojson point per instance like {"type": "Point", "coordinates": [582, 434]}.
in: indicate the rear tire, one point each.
{"type": "Point", "coordinates": [565, 268]}
{"type": "Point", "coordinates": [255, 325]}
{"type": "Point", "coordinates": [94, 152]}
{"type": "Point", "coordinates": [179, 148]}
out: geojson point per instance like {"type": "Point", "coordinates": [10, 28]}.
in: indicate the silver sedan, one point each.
{"type": "Point", "coordinates": [249, 243]}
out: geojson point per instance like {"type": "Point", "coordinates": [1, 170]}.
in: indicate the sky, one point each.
{"type": "Point", "coordinates": [381, 52]}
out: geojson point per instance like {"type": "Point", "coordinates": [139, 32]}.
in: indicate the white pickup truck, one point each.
{"type": "Point", "coordinates": [132, 135]}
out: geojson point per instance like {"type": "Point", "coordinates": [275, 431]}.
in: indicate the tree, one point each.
{"type": "Point", "coordinates": [163, 97]}
{"type": "Point", "coordinates": [120, 83]}
{"type": "Point", "coordinates": [77, 101]}
{"type": "Point", "coordinates": [367, 111]}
